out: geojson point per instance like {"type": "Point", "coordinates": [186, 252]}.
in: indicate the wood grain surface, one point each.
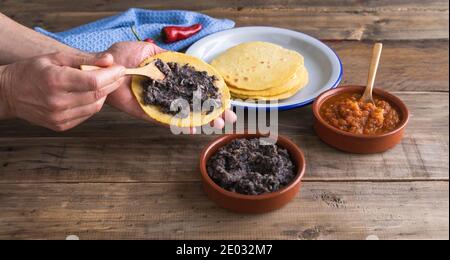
{"type": "Point", "coordinates": [350, 20]}
{"type": "Point", "coordinates": [115, 177]}
{"type": "Point", "coordinates": [112, 148]}
{"type": "Point", "coordinates": [325, 210]}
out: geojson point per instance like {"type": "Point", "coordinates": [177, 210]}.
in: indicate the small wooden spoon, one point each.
{"type": "Point", "coordinates": [376, 54]}
{"type": "Point", "coordinates": [149, 70]}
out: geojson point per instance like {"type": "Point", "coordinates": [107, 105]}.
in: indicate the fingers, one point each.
{"type": "Point", "coordinates": [83, 111]}
{"type": "Point", "coordinates": [124, 100]}
{"type": "Point", "coordinates": [229, 116]}
{"type": "Point", "coordinates": [77, 99]}
{"type": "Point", "coordinates": [151, 49]}
{"type": "Point", "coordinates": [58, 95]}
{"type": "Point", "coordinates": [64, 126]}
{"type": "Point", "coordinates": [75, 80]}
{"type": "Point", "coordinates": [104, 60]}
{"type": "Point", "coordinates": [69, 125]}
{"type": "Point", "coordinates": [67, 106]}
{"type": "Point", "coordinates": [146, 50]}
{"type": "Point", "coordinates": [68, 77]}
{"type": "Point", "coordinates": [65, 120]}
{"type": "Point", "coordinates": [218, 123]}
{"type": "Point", "coordinates": [75, 61]}
{"type": "Point", "coordinates": [103, 77]}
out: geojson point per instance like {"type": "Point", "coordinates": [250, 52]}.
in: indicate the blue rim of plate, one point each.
{"type": "Point", "coordinates": [303, 103]}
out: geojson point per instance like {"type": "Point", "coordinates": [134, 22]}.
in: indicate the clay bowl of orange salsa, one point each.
{"type": "Point", "coordinates": [343, 121]}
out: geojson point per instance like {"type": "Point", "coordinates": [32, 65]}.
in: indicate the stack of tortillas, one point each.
{"type": "Point", "coordinates": [261, 70]}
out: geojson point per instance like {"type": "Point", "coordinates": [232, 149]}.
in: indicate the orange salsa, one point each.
{"type": "Point", "coordinates": [346, 112]}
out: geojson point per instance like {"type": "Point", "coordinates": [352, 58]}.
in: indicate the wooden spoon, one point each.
{"type": "Point", "coordinates": [149, 70]}
{"type": "Point", "coordinates": [376, 54]}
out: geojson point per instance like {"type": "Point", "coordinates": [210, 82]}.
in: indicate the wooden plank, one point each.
{"type": "Point", "coordinates": [406, 210]}
{"type": "Point", "coordinates": [51, 183]}
{"type": "Point", "coordinates": [168, 159]}
{"type": "Point", "coordinates": [335, 25]}
{"type": "Point", "coordinates": [354, 22]}
{"type": "Point", "coordinates": [430, 116]}
{"type": "Point", "coordinates": [324, 5]}
{"type": "Point", "coordinates": [332, 25]}
{"type": "Point", "coordinates": [112, 149]}
{"type": "Point", "coordinates": [405, 65]}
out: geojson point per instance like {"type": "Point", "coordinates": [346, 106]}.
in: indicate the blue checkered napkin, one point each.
{"type": "Point", "coordinates": [100, 35]}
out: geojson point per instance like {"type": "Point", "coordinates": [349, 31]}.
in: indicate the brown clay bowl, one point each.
{"type": "Point", "coordinates": [252, 204]}
{"type": "Point", "coordinates": [358, 143]}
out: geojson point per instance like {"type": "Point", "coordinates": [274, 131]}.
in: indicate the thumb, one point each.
{"type": "Point", "coordinates": [103, 59]}
{"type": "Point", "coordinates": [143, 51]}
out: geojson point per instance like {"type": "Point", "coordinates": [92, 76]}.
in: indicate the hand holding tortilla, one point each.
{"type": "Point", "coordinates": [131, 54]}
{"type": "Point", "coordinates": [180, 98]}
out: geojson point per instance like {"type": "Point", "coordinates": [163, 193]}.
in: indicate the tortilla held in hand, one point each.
{"type": "Point", "coordinates": [192, 94]}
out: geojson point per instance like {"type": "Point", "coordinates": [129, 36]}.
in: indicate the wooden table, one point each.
{"type": "Point", "coordinates": [118, 178]}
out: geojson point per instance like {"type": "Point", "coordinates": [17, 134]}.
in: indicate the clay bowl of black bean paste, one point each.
{"type": "Point", "coordinates": [245, 174]}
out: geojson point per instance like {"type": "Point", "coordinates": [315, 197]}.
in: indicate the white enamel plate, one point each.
{"type": "Point", "coordinates": [324, 66]}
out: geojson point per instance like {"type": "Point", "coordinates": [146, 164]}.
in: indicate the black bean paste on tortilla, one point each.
{"type": "Point", "coordinates": [248, 167]}
{"type": "Point", "coordinates": [183, 90]}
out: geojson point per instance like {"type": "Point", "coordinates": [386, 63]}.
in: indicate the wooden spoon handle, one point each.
{"type": "Point", "coordinates": [149, 70]}
{"type": "Point", "coordinates": [376, 54]}
{"type": "Point", "coordinates": [89, 68]}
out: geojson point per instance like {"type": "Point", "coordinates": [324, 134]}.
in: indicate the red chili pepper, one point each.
{"type": "Point", "coordinates": [177, 33]}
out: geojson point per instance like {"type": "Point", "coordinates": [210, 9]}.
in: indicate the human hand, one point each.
{"type": "Point", "coordinates": [131, 54]}
{"type": "Point", "coordinates": [51, 90]}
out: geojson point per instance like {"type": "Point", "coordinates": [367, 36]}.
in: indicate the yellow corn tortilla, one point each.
{"type": "Point", "coordinates": [258, 65]}
{"type": "Point", "coordinates": [292, 84]}
{"type": "Point", "coordinates": [303, 82]}
{"type": "Point", "coordinates": [194, 119]}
